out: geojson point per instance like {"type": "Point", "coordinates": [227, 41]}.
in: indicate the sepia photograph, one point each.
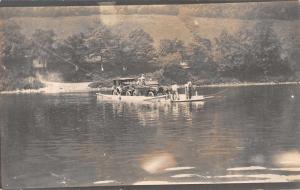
{"type": "Point", "coordinates": [114, 95]}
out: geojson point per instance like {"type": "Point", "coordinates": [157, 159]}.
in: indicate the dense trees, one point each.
{"type": "Point", "coordinates": [172, 52]}
{"type": "Point", "coordinates": [252, 54]}
{"type": "Point", "coordinates": [267, 51]}
{"type": "Point", "coordinates": [170, 46]}
{"type": "Point", "coordinates": [102, 46]}
{"type": "Point", "coordinates": [16, 67]}
{"type": "Point", "coordinates": [100, 51]}
{"type": "Point", "coordinates": [15, 43]}
{"type": "Point", "coordinates": [180, 62]}
{"type": "Point", "coordinates": [139, 52]}
{"type": "Point", "coordinates": [70, 56]}
{"type": "Point", "coordinates": [200, 57]}
{"type": "Point", "coordinates": [42, 45]}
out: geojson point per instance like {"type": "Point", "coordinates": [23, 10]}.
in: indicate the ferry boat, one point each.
{"type": "Point", "coordinates": [132, 90]}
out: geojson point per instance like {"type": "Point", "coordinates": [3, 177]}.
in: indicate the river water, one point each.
{"type": "Point", "coordinates": [247, 134]}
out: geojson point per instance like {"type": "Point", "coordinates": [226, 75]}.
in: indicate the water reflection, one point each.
{"type": "Point", "coordinates": [75, 140]}
{"type": "Point", "coordinates": [146, 113]}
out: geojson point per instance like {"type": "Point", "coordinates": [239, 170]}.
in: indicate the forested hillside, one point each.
{"type": "Point", "coordinates": [211, 43]}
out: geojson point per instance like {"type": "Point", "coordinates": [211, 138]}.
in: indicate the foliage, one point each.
{"type": "Point", "coordinates": [15, 43]}
{"type": "Point", "coordinates": [251, 54]}
{"type": "Point", "coordinates": [71, 54]}
{"type": "Point", "coordinates": [174, 72]}
{"type": "Point", "coordinates": [102, 44]}
{"type": "Point", "coordinates": [138, 53]}
{"type": "Point", "coordinates": [200, 57]}
{"type": "Point", "coordinates": [42, 42]}
{"type": "Point", "coordinates": [15, 50]}
{"type": "Point", "coordinates": [168, 46]}
{"type": "Point", "coordinates": [172, 52]}
{"type": "Point", "coordinates": [72, 51]}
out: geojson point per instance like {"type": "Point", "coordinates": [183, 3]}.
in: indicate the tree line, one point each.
{"type": "Point", "coordinates": [254, 54]}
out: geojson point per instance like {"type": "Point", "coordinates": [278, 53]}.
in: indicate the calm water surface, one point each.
{"type": "Point", "coordinates": [75, 140]}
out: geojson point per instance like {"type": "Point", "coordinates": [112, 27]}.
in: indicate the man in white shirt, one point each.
{"type": "Point", "coordinates": [175, 91]}
{"type": "Point", "coordinates": [188, 90]}
{"type": "Point", "coordinates": [142, 80]}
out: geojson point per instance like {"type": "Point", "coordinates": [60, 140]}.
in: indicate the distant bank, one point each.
{"type": "Point", "coordinates": [58, 87]}
{"type": "Point", "coordinates": [248, 84]}
{"type": "Point", "coordinates": [55, 87]}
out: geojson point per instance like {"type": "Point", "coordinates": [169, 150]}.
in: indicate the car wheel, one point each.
{"type": "Point", "coordinates": [115, 92]}
{"type": "Point", "coordinates": [150, 93]}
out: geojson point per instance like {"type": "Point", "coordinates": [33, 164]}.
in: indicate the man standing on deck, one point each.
{"type": "Point", "coordinates": [175, 91]}
{"type": "Point", "coordinates": [188, 90]}
{"type": "Point", "coordinates": [142, 80]}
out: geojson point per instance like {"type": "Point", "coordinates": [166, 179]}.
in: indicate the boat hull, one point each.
{"type": "Point", "coordinates": [147, 99]}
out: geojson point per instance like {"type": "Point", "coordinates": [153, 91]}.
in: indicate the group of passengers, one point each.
{"type": "Point", "coordinates": [187, 90]}
{"type": "Point", "coordinates": [174, 92]}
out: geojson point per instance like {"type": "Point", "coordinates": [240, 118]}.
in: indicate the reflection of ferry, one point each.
{"type": "Point", "coordinates": [130, 90]}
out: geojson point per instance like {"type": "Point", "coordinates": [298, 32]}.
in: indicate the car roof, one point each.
{"type": "Point", "coordinates": [124, 79]}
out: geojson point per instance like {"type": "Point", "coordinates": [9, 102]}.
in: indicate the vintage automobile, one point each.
{"type": "Point", "coordinates": [135, 87]}
{"type": "Point", "coordinates": [123, 86]}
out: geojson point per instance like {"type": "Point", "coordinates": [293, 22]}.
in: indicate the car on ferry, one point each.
{"type": "Point", "coordinates": [136, 87]}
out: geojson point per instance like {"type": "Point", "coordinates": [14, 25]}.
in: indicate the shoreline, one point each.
{"type": "Point", "coordinates": [57, 87]}
{"type": "Point", "coordinates": [247, 84]}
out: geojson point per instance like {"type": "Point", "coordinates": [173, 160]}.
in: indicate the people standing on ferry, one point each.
{"type": "Point", "coordinates": [190, 86]}
{"type": "Point", "coordinates": [120, 88]}
{"type": "Point", "coordinates": [175, 92]}
{"type": "Point", "coordinates": [188, 90]}
{"type": "Point", "coordinates": [142, 80]}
